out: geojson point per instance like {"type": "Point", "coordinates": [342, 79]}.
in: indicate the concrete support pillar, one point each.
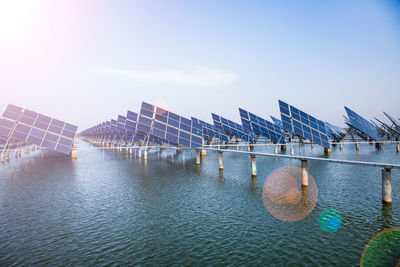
{"type": "Point", "coordinates": [341, 146]}
{"type": "Point", "coordinates": [386, 185]}
{"type": "Point", "coordinates": [204, 153]}
{"type": "Point", "coordinates": [2, 157]}
{"type": "Point", "coordinates": [253, 166]}
{"type": "Point", "coordinates": [357, 147]}
{"type": "Point", "coordinates": [327, 150]}
{"type": "Point", "coordinates": [74, 153]}
{"type": "Point", "coordinates": [276, 150]}
{"type": "Point", "coordinates": [304, 172]}
{"type": "Point", "coordinates": [398, 148]}
{"type": "Point", "coordinates": [8, 156]}
{"type": "Point", "coordinates": [292, 151]}
{"type": "Point", "coordinates": [197, 156]}
{"type": "Point", "coordinates": [140, 154]}
{"type": "Point", "coordinates": [220, 160]}
{"type": "Point", "coordinates": [145, 154]}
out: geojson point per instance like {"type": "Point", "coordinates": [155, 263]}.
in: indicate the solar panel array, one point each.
{"type": "Point", "coordinates": [362, 125]}
{"type": "Point", "coordinates": [334, 132]}
{"type": "Point", "coordinates": [261, 126]}
{"type": "Point", "coordinates": [304, 125]}
{"type": "Point", "coordinates": [210, 131]}
{"type": "Point", "coordinates": [34, 128]}
{"type": "Point", "coordinates": [169, 127]}
{"type": "Point", "coordinates": [231, 128]}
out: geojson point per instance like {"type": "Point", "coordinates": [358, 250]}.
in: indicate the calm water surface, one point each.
{"type": "Point", "coordinates": [108, 208]}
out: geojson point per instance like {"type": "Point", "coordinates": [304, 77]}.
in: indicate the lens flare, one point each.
{"type": "Point", "coordinates": [383, 249]}
{"type": "Point", "coordinates": [285, 198]}
{"type": "Point", "coordinates": [330, 220]}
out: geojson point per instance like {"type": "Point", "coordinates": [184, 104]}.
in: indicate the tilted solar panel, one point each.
{"type": "Point", "coordinates": [362, 124]}
{"type": "Point", "coordinates": [304, 125]}
{"type": "Point", "coordinates": [231, 128]}
{"type": "Point", "coordinates": [261, 126]}
{"type": "Point", "coordinates": [169, 127]}
{"type": "Point", "coordinates": [38, 129]}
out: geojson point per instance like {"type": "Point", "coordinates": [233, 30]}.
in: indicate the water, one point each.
{"type": "Point", "coordinates": [108, 208]}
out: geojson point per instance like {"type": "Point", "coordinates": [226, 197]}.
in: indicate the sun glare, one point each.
{"type": "Point", "coordinates": [15, 15]}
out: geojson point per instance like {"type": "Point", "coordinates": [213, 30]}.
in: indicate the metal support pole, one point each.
{"type": "Point", "coordinates": [220, 160]}
{"type": "Point", "coordinates": [197, 156]}
{"type": "Point", "coordinates": [386, 185]}
{"type": "Point", "coordinates": [304, 173]}
{"type": "Point", "coordinates": [253, 166]}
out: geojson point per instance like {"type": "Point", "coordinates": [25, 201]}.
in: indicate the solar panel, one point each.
{"type": "Point", "coordinates": [261, 126]}
{"type": "Point", "coordinates": [232, 128]}
{"type": "Point", "coordinates": [304, 125]}
{"type": "Point", "coordinates": [362, 124]}
{"type": "Point", "coordinates": [209, 131]}
{"type": "Point", "coordinates": [392, 119]}
{"type": "Point", "coordinates": [38, 129]}
{"type": "Point", "coordinates": [168, 127]}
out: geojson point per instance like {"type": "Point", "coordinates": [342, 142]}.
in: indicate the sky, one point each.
{"type": "Point", "coordinates": [89, 61]}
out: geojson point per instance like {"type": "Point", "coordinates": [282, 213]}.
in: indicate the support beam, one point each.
{"type": "Point", "coordinates": [197, 156]}
{"type": "Point", "coordinates": [304, 172]}
{"type": "Point", "coordinates": [386, 185]}
{"type": "Point", "coordinates": [253, 165]}
{"type": "Point", "coordinates": [220, 161]}
{"type": "Point", "coordinates": [74, 153]}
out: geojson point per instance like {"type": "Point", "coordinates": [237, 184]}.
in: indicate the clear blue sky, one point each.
{"type": "Point", "coordinates": [88, 61]}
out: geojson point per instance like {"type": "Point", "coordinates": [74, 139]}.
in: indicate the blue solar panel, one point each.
{"type": "Point", "coordinates": [38, 129]}
{"type": "Point", "coordinates": [260, 126]}
{"type": "Point", "coordinates": [232, 128]}
{"type": "Point", "coordinates": [164, 126]}
{"type": "Point", "coordinates": [362, 125]}
{"type": "Point", "coordinates": [304, 125]}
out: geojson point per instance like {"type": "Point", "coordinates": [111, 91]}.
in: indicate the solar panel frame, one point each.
{"type": "Point", "coordinates": [168, 126]}
{"type": "Point", "coordinates": [38, 129]}
{"type": "Point", "coordinates": [361, 124]}
{"type": "Point", "coordinates": [260, 126]}
{"type": "Point", "coordinates": [303, 124]}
